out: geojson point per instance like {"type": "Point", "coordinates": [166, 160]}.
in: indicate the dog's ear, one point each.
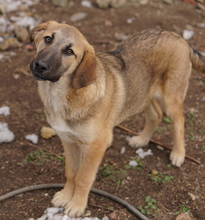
{"type": "Point", "coordinates": [85, 73]}
{"type": "Point", "coordinates": [38, 30]}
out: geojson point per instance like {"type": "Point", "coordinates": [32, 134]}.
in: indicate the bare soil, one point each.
{"type": "Point", "coordinates": [170, 188]}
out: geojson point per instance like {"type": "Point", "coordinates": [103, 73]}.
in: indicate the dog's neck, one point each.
{"type": "Point", "coordinates": [62, 101]}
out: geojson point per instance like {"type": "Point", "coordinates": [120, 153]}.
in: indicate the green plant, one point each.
{"type": "Point", "coordinates": [40, 157]}
{"type": "Point", "coordinates": [160, 178]}
{"type": "Point", "coordinates": [184, 209]}
{"type": "Point", "coordinates": [114, 173]}
{"type": "Point", "coordinates": [138, 167]}
{"type": "Point", "coordinates": [150, 207]}
{"type": "Point", "coordinates": [191, 137]}
{"type": "Point", "coordinates": [167, 120]}
{"type": "Point", "coordinates": [159, 130]}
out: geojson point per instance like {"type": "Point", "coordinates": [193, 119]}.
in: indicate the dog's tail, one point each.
{"type": "Point", "coordinates": [198, 60]}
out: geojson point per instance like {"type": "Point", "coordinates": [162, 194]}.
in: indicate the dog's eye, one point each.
{"type": "Point", "coordinates": [47, 40]}
{"type": "Point", "coordinates": [68, 51]}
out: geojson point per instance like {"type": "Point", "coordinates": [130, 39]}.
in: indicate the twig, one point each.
{"type": "Point", "coordinates": [42, 149]}
{"type": "Point", "coordinates": [101, 207]}
{"type": "Point", "coordinates": [158, 143]}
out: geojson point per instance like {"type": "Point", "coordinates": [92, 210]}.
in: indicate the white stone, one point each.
{"type": "Point", "coordinates": [32, 137]}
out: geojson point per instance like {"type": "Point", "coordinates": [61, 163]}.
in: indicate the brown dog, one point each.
{"type": "Point", "coordinates": [86, 94]}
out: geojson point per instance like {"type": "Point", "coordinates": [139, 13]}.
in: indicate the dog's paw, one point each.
{"type": "Point", "coordinates": [177, 159]}
{"type": "Point", "coordinates": [137, 142]}
{"type": "Point", "coordinates": [75, 208]}
{"type": "Point", "coordinates": [61, 199]}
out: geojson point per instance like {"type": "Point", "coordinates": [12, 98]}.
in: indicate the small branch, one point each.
{"type": "Point", "coordinates": [158, 143]}
{"type": "Point", "coordinates": [42, 149]}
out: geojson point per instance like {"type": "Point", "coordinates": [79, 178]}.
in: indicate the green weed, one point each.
{"type": "Point", "coordinates": [150, 207]}
{"type": "Point", "coordinates": [160, 178]}
{"type": "Point", "coordinates": [191, 137]}
{"type": "Point", "coordinates": [40, 157]}
{"type": "Point", "coordinates": [167, 120]}
{"type": "Point", "coordinates": [159, 130]}
{"type": "Point", "coordinates": [138, 167]}
{"type": "Point", "coordinates": [114, 173]}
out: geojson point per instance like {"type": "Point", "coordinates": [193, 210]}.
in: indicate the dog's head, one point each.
{"type": "Point", "coordinates": [62, 51]}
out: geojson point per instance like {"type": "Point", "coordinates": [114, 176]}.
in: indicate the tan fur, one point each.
{"type": "Point", "coordinates": [95, 92]}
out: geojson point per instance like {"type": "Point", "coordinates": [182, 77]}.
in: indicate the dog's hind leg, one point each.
{"type": "Point", "coordinates": [174, 111]}
{"type": "Point", "coordinates": [153, 115]}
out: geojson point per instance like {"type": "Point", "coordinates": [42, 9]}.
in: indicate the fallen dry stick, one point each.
{"type": "Point", "coordinates": [51, 152]}
{"type": "Point", "coordinates": [158, 143]}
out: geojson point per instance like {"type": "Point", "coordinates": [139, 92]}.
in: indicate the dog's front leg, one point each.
{"type": "Point", "coordinates": [73, 157]}
{"type": "Point", "coordinates": [91, 159]}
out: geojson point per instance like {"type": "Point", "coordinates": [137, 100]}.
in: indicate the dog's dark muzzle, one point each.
{"type": "Point", "coordinates": [42, 70]}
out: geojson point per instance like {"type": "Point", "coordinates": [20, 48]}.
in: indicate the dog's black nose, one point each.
{"type": "Point", "coordinates": [41, 66]}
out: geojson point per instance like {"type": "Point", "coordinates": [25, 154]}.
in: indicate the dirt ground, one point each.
{"type": "Point", "coordinates": [161, 194]}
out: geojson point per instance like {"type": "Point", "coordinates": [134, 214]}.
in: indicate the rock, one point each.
{"type": "Point", "coordinates": [47, 132]}
{"type": "Point", "coordinates": [117, 3]}
{"type": "Point", "coordinates": [22, 33]}
{"type": "Point", "coordinates": [133, 163]}
{"type": "Point", "coordinates": [103, 3]}
{"type": "Point", "coordinates": [143, 2]}
{"type": "Point", "coordinates": [108, 23]}
{"type": "Point", "coordinates": [201, 6]}
{"type": "Point", "coordinates": [188, 34]}
{"type": "Point", "coordinates": [201, 1]}
{"type": "Point", "coordinates": [121, 36]}
{"type": "Point", "coordinates": [160, 147]}
{"type": "Point", "coordinates": [86, 3]}
{"type": "Point", "coordinates": [9, 43]}
{"type": "Point", "coordinates": [2, 8]}
{"type": "Point", "coordinates": [59, 3]}
{"type": "Point", "coordinates": [78, 16]}
{"type": "Point", "coordinates": [183, 216]}
{"type": "Point", "coordinates": [193, 197]}
{"type": "Point", "coordinates": [113, 215]}
{"type": "Point", "coordinates": [154, 172]}
{"type": "Point", "coordinates": [168, 2]}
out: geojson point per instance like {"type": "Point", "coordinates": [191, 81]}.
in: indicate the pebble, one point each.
{"type": "Point", "coordinates": [142, 154]}
{"type": "Point", "coordinates": [32, 137]}
{"type": "Point", "coordinates": [193, 197]}
{"type": "Point", "coordinates": [201, 6]}
{"type": "Point", "coordinates": [5, 134]}
{"type": "Point", "coordinates": [103, 3]}
{"type": "Point", "coordinates": [120, 36]}
{"type": "Point", "coordinates": [168, 2]}
{"type": "Point", "coordinates": [143, 2]}
{"type": "Point", "coordinates": [78, 16]}
{"type": "Point", "coordinates": [59, 3]}
{"type": "Point", "coordinates": [2, 8]}
{"type": "Point", "coordinates": [117, 3]}
{"type": "Point", "coordinates": [188, 34]}
{"type": "Point", "coordinates": [5, 110]}
{"type": "Point", "coordinates": [47, 132]}
{"type": "Point", "coordinates": [160, 147]}
{"type": "Point", "coordinates": [183, 216]}
{"type": "Point", "coordinates": [133, 163]}
{"type": "Point", "coordinates": [21, 33]}
{"type": "Point", "coordinates": [86, 4]}
{"type": "Point", "coordinates": [9, 43]}
{"type": "Point", "coordinates": [154, 172]}
{"type": "Point", "coordinates": [123, 150]}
